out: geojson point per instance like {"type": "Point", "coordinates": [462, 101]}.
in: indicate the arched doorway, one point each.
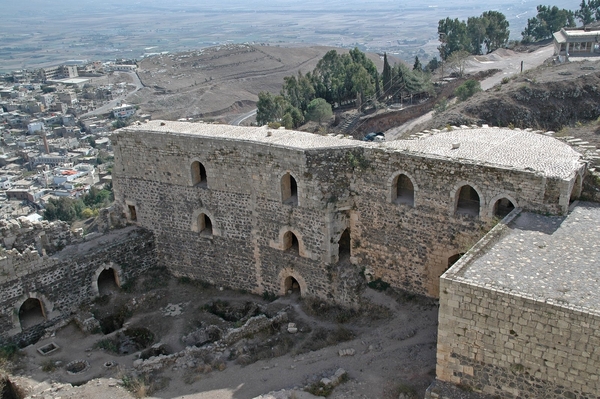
{"type": "Point", "coordinates": [107, 282]}
{"type": "Point", "coordinates": [344, 246]}
{"type": "Point", "coordinates": [503, 207]}
{"type": "Point", "coordinates": [31, 313]}
{"type": "Point", "coordinates": [468, 201]}
{"type": "Point", "coordinates": [292, 286]}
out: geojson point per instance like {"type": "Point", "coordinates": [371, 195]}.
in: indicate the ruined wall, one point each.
{"type": "Point", "coordinates": [68, 278]}
{"type": "Point", "coordinates": [43, 236]}
{"type": "Point", "coordinates": [510, 346]}
{"type": "Point", "coordinates": [339, 188]}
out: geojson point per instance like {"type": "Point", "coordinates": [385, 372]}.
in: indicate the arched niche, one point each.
{"type": "Point", "coordinates": [287, 278]}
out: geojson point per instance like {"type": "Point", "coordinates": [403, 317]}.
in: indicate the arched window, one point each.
{"type": "Point", "coordinates": [292, 286]}
{"type": "Point", "coordinates": [403, 191]}
{"type": "Point", "coordinates": [344, 245]}
{"type": "Point", "coordinates": [503, 207]}
{"type": "Point", "coordinates": [290, 242]}
{"type": "Point", "coordinates": [31, 313]}
{"type": "Point", "coordinates": [107, 282]}
{"type": "Point", "coordinates": [289, 190]}
{"type": "Point", "coordinates": [205, 225]}
{"type": "Point", "coordinates": [468, 201]}
{"type": "Point", "coordinates": [198, 174]}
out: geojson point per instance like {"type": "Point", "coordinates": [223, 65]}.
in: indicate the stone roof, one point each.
{"type": "Point", "coordinates": [276, 137]}
{"type": "Point", "coordinates": [516, 149]}
{"type": "Point", "coordinates": [497, 147]}
{"type": "Point", "coordinates": [547, 258]}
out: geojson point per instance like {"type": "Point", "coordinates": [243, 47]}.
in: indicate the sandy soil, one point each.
{"type": "Point", "coordinates": [394, 340]}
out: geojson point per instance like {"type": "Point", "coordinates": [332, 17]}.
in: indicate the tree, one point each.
{"type": "Point", "coordinates": [458, 61]}
{"type": "Point", "coordinates": [270, 108]}
{"type": "Point", "coordinates": [588, 12]}
{"type": "Point", "coordinates": [432, 65]}
{"type": "Point", "coordinates": [467, 89]}
{"type": "Point", "coordinates": [296, 115]}
{"type": "Point", "coordinates": [417, 65]}
{"type": "Point", "coordinates": [547, 21]}
{"type": "Point", "coordinates": [477, 28]}
{"type": "Point", "coordinates": [386, 76]}
{"type": "Point", "coordinates": [453, 37]}
{"type": "Point", "coordinates": [319, 110]}
{"type": "Point", "coordinates": [496, 32]}
{"type": "Point", "coordinates": [287, 121]}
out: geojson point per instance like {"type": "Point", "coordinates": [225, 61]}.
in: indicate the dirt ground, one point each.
{"type": "Point", "coordinates": [393, 338]}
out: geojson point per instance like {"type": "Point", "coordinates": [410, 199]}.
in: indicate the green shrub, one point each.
{"type": "Point", "coordinates": [467, 89]}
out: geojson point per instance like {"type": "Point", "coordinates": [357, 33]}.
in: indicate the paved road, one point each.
{"type": "Point", "coordinates": [243, 117]}
{"type": "Point", "coordinates": [508, 64]}
{"type": "Point", "coordinates": [104, 109]}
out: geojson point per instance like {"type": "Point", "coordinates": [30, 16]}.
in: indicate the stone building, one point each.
{"type": "Point", "coordinates": [520, 312]}
{"type": "Point", "coordinates": [272, 210]}
{"type": "Point", "coordinates": [47, 272]}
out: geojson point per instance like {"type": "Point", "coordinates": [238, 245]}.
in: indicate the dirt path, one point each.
{"type": "Point", "coordinates": [507, 61]}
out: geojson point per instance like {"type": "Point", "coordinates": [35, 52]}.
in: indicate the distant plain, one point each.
{"type": "Point", "coordinates": [41, 33]}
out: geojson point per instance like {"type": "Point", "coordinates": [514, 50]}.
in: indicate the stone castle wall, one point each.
{"type": "Point", "coordinates": [508, 346]}
{"type": "Point", "coordinates": [68, 278]}
{"type": "Point", "coordinates": [339, 187]}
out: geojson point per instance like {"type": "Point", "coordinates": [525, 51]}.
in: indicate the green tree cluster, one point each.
{"type": "Point", "coordinates": [588, 11]}
{"type": "Point", "coordinates": [69, 209]}
{"type": "Point", "coordinates": [337, 79]}
{"type": "Point", "coordinates": [477, 35]}
{"type": "Point", "coordinates": [400, 81]}
{"type": "Point", "coordinates": [547, 21]}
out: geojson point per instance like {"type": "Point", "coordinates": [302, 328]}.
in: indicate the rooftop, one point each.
{"type": "Point", "coordinates": [497, 147]}
{"type": "Point", "coordinates": [546, 258]}
{"type": "Point", "coordinates": [575, 35]}
{"type": "Point", "coordinates": [503, 147]}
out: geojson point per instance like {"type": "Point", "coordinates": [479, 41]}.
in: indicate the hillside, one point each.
{"type": "Point", "coordinates": [219, 82]}
{"type": "Point", "coordinates": [550, 97]}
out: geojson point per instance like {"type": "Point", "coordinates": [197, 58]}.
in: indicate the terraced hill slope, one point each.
{"type": "Point", "coordinates": [219, 82]}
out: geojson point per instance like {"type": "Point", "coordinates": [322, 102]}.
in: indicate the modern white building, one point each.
{"type": "Point", "coordinates": [123, 111]}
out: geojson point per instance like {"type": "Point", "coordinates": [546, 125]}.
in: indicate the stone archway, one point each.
{"type": "Point", "coordinates": [108, 282]}
{"type": "Point", "coordinates": [31, 313]}
{"type": "Point", "coordinates": [292, 286]}
{"type": "Point", "coordinates": [291, 280]}
{"type": "Point", "coordinates": [103, 275]}
{"type": "Point", "coordinates": [36, 303]}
